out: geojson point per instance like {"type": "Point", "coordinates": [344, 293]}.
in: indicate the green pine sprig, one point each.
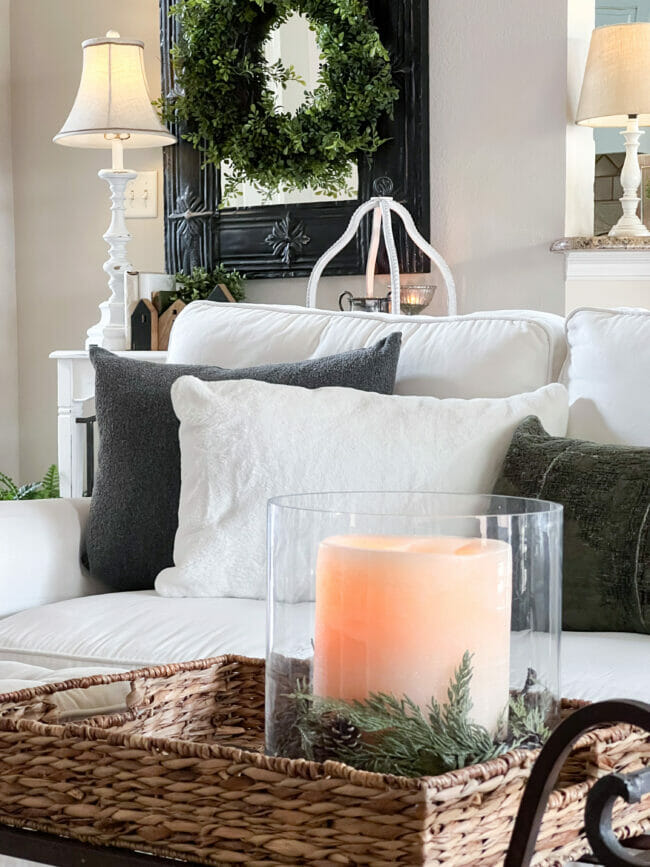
{"type": "Point", "coordinates": [526, 722]}
{"type": "Point", "coordinates": [398, 737]}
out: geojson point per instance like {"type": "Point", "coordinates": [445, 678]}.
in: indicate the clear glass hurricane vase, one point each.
{"type": "Point", "coordinates": [411, 633]}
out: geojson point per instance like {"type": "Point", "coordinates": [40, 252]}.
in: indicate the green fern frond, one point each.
{"type": "Point", "coordinates": [50, 484]}
{"type": "Point", "coordinates": [29, 491]}
{"type": "Point", "coordinates": [8, 488]}
{"type": "Point", "coordinates": [47, 489]}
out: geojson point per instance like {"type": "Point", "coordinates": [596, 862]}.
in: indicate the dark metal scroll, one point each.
{"type": "Point", "coordinates": [89, 422]}
{"type": "Point", "coordinates": [598, 815]}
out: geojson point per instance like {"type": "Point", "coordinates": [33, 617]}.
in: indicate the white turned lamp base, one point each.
{"type": "Point", "coordinates": [113, 107]}
{"type": "Point", "coordinates": [630, 225]}
{"type": "Point", "coordinates": [110, 332]}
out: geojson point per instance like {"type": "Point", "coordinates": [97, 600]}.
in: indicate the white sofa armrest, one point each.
{"type": "Point", "coordinates": [40, 553]}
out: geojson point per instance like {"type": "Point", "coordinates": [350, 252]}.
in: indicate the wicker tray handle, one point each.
{"type": "Point", "coordinates": [142, 695]}
{"type": "Point", "coordinates": [39, 709]}
{"type": "Point", "coordinates": [180, 679]}
{"type": "Point", "coordinates": [35, 703]}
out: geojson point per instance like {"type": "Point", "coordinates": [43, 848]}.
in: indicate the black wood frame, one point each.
{"type": "Point", "coordinates": [286, 240]}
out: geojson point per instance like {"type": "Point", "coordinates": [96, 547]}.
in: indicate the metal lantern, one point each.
{"type": "Point", "coordinates": [382, 206]}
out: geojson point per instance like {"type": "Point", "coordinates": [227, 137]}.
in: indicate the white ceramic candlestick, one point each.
{"type": "Point", "coordinates": [629, 224]}
{"type": "Point", "coordinates": [375, 237]}
{"type": "Point", "coordinates": [110, 331]}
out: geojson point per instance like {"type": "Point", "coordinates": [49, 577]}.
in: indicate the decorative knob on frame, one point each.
{"type": "Point", "coordinates": [383, 186]}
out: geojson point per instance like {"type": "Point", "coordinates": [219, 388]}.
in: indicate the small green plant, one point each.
{"type": "Point", "coordinates": [200, 283]}
{"type": "Point", "coordinates": [391, 735]}
{"type": "Point", "coordinates": [46, 489]}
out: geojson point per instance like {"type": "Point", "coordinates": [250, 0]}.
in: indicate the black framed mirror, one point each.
{"type": "Point", "coordinates": [286, 239]}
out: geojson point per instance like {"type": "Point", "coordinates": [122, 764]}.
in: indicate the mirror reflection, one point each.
{"type": "Point", "coordinates": [610, 145]}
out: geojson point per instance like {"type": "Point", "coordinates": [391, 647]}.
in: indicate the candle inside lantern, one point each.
{"type": "Point", "coordinates": [396, 614]}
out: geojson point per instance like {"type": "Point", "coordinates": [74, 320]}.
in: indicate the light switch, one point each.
{"type": "Point", "coordinates": [142, 196]}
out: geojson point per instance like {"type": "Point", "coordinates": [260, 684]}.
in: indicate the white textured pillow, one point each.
{"type": "Point", "coordinates": [243, 442]}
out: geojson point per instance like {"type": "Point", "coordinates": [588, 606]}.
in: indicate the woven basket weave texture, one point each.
{"type": "Point", "coordinates": [181, 774]}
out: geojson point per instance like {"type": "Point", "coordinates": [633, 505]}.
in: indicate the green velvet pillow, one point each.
{"type": "Point", "coordinates": [605, 491]}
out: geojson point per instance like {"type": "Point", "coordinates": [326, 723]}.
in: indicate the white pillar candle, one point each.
{"type": "Point", "coordinates": [396, 614]}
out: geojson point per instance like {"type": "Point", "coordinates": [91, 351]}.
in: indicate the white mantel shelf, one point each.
{"type": "Point", "coordinates": [606, 272]}
{"type": "Point", "coordinates": [605, 258]}
{"type": "Point", "coordinates": [601, 243]}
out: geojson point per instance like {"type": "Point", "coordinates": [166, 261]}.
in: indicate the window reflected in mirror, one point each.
{"type": "Point", "coordinates": [610, 145]}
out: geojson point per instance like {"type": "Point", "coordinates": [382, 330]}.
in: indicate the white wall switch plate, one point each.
{"type": "Point", "coordinates": [142, 196]}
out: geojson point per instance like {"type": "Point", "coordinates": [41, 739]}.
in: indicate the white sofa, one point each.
{"type": "Point", "coordinates": [55, 618]}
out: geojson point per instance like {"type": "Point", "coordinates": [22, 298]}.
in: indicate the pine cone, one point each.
{"type": "Point", "coordinates": [338, 735]}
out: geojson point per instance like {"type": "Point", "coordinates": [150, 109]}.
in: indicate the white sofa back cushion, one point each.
{"type": "Point", "coordinates": [496, 354]}
{"type": "Point", "coordinates": [298, 440]}
{"type": "Point", "coordinates": [608, 375]}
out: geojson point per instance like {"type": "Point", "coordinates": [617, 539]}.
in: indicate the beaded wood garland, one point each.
{"type": "Point", "coordinates": [224, 92]}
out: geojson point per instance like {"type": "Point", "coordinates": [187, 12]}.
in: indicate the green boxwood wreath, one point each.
{"type": "Point", "coordinates": [223, 99]}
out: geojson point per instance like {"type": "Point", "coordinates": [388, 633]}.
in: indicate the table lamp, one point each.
{"type": "Point", "coordinates": [113, 110]}
{"type": "Point", "coordinates": [616, 92]}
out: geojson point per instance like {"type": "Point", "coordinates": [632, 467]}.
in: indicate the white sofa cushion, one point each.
{"type": "Point", "coordinates": [132, 630]}
{"type": "Point", "coordinates": [494, 354]}
{"type": "Point", "coordinates": [121, 631]}
{"type": "Point", "coordinates": [608, 375]}
{"type": "Point", "coordinates": [243, 442]}
{"type": "Point", "coordinates": [600, 665]}
{"type": "Point", "coordinates": [40, 546]}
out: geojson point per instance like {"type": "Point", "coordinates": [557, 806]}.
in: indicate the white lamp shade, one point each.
{"type": "Point", "coordinates": [617, 76]}
{"type": "Point", "coordinates": [113, 98]}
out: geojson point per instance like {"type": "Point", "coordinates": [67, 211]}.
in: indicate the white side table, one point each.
{"type": "Point", "coordinates": [76, 400]}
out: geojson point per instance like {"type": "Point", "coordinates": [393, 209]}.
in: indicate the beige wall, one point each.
{"type": "Point", "coordinates": [61, 206]}
{"type": "Point", "coordinates": [498, 148]}
{"type": "Point", "coordinates": [607, 293]}
{"type": "Point", "coordinates": [580, 152]}
{"type": "Point", "coordinates": [8, 327]}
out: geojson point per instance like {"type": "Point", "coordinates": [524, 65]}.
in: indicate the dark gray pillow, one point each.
{"type": "Point", "coordinates": [605, 491]}
{"type": "Point", "coordinates": [134, 508]}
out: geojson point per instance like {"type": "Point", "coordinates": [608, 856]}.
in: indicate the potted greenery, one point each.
{"type": "Point", "coordinates": [46, 489]}
{"type": "Point", "coordinates": [200, 284]}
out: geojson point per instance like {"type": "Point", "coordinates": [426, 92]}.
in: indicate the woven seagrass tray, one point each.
{"type": "Point", "coordinates": [180, 774]}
